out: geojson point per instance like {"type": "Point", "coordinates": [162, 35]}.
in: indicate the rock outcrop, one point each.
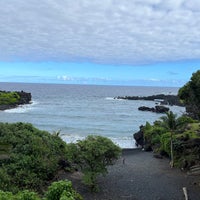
{"type": "Point", "coordinates": [11, 100]}
{"type": "Point", "coordinates": [25, 97]}
{"type": "Point", "coordinates": [139, 137]}
{"type": "Point", "coordinates": [157, 109]}
{"type": "Point", "coordinates": [160, 98]}
{"type": "Point", "coordinates": [140, 140]}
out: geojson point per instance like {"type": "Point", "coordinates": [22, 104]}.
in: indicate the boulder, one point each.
{"type": "Point", "coordinates": [157, 109]}
{"type": "Point", "coordinates": [161, 109]}
{"type": "Point", "coordinates": [139, 137]}
{"type": "Point", "coordinates": [145, 108]}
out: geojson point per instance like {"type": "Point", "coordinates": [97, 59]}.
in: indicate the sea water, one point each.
{"type": "Point", "coordinates": [80, 110]}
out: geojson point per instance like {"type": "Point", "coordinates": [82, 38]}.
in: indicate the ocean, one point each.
{"type": "Point", "coordinates": [80, 110]}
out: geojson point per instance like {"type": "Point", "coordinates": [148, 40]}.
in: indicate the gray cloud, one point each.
{"type": "Point", "coordinates": [107, 31]}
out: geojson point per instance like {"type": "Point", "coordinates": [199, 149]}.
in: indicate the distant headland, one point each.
{"type": "Point", "coordinates": [159, 98]}
{"type": "Point", "coordinates": [9, 100]}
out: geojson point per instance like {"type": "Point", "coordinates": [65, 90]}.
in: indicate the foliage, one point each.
{"type": "Point", "coordinates": [183, 121]}
{"type": "Point", "coordinates": [93, 155]}
{"type": "Point", "coordinates": [6, 195]}
{"type": "Point", "coordinates": [169, 121]}
{"type": "Point", "coordinates": [192, 130]}
{"type": "Point", "coordinates": [190, 94]}
{"type": "Point", "coordinates": [32, 159]}
{"type": "Point", "coordinates": [165, 143]}
{"type": "Point", "coordinates": [153, 135]}
{"type": "Point", "coordinates": [62, 190]}
{"type": "Point", "coordinates": [9, 98]}
{"type": "Point", "coordinates": [23, 195]}
{"type": "Point", "coordinates": [183, 131]}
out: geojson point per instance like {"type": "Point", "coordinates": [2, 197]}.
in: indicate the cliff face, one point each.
{"type": "Point", "coordinates": [10, 100]}
{"type": "Point", "coordinates": [25, 98]}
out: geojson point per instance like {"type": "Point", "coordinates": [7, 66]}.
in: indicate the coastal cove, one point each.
{"type": "Point", "coordinates": [79, 110]}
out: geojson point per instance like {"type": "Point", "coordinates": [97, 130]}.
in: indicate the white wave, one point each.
{"type": "Point", "coordinates": [125, 142]}
{"type": "Point", "coordinates": [71, 138]}
{"type": "Point", "coordinates": [115, 99]}
{"type": "Point", "coordinates": [109, 98]}
{"type": "Point", "coordinates": [22, 108]}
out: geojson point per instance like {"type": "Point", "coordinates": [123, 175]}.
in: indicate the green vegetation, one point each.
{"type": "Point", "coordinates": [22, 195]}
{"type": "Point", "coordinates": [61, 190]}
{"type": "Point", "coordinates": [9, 98]}
{"type": "Point", "coordinates": [28, 157]}
{"type": "Point", "coordinates": [170, 123]}
{"type": "Point", "coordinates": [92, 156]}
{"type": "Point", "coordinates": [190, 95]}
{"type": "Point", "coordinates": [31, 158]}
{"type": "Point", "coordinates": [177, 138]}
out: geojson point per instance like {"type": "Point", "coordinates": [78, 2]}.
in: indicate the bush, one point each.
{"type": "Point", "coordinates": [93, 155]}
{"type": "Point", "coordinates": [9, 98]}
{"type": "Point", "coordinates": [165, 143]}
{"type": "Point", "coordinates": [32, 159]}
{"type": "Point", "coordinates": [62, 190]}
{"type": "Point", "coordinates": [23, 195]}
{"type": "Point", "coordinates": [153, 134]}
{"type": "Point", "coordinates": [6, 195]}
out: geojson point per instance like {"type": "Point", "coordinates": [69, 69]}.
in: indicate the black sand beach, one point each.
{"type": "Point", "coordinates": [137, 175]}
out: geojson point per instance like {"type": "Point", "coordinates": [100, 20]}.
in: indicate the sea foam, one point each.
{"type": "Point", "coordinates": [124, 142]}
{"type": "Point", "coordinates": [22, 108]}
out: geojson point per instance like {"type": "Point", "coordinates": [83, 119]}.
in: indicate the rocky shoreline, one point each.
{"type": "Point", "coordinates": [18, 98]}
{"type": "Point", "coordinates": [162, 99]}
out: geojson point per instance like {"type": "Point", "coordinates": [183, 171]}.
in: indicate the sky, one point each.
{"type": "Point", "coordinates": [107, 42]}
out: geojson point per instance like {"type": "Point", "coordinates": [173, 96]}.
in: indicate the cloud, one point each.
{"type": "Point", "coordinates": [172, 73]}
{"type": "Point", "coordinates": [82, 80]}
{"type": "Point", "coordinates": [65, 78]}
{"type": "Point", "coordinates": [154, 79]}
{"type": "Point", "coordinates": [106, 31]}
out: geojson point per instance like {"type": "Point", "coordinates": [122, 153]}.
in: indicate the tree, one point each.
{"type": "Point", "coordinates": [95, 154]}
{"type": "Point", "coordinates": [170, 122]}
{"type": "Point", "coordinates": [190, 95]}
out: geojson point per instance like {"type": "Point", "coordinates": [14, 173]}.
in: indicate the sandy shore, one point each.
{"type": "Point", "coordinates": [137, 175]}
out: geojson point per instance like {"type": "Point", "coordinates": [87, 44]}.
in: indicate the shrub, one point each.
{"type": "Point", "coordinates": [165, 143]}
{"type": "Point", "coordinates": [33, 157]}
{"type": "Point", "coordinates": [62, 190]}
{"type": "Point", "coordinates": [93, 156]}
{"type": "Point", "coordinates": [7, 98]}
{"type": "Point", "coordinates": [23, 195]}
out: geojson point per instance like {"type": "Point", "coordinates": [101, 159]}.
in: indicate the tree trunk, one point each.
{"type": "Point", "coordinates": [172, 150]}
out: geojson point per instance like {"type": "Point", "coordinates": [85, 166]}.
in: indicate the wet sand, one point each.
{"type": "Point", "coordinates": [137, 175]}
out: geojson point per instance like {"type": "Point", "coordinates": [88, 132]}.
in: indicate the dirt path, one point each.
{"type": "Point", "coordinates": [140, 176]}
